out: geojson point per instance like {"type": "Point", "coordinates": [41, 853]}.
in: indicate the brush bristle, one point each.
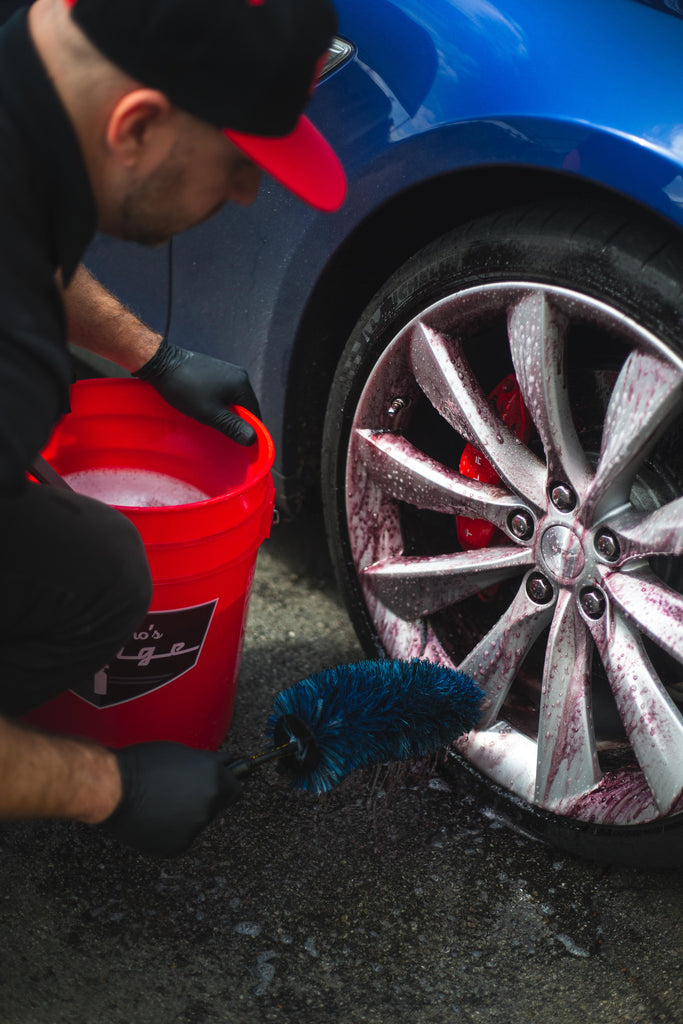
{"type": "Point", "coordinates": [375, 711]}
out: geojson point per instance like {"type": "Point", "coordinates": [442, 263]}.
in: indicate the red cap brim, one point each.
{"type": "Point", "coordinates": [304, 162]}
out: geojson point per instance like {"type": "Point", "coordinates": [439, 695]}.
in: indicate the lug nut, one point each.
{"type": "Point", "coordinates": [539, 589]}
{"type": "Point", "coordinates": [562, 497]}
{"type": "Point", "coordinates": [607, 545]}
{"type": "Point", "coordinates": [521, 524]}
{"type": "Point", "coordinates": [593, 602]}
{"type": "Point", "coordinates": [397, 404]}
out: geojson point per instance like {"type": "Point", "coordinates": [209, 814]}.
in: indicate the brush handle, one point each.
{"type": "Point", "coordinates": [294, 738]}
{"type": "Point", "coordinates": [244, 766]}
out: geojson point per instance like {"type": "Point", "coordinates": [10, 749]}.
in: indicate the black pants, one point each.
{"type": "Point", "coordinates": [74, 584]}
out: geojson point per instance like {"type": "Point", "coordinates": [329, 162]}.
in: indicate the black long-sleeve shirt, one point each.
{"type": "Point", "coordinates": [47, 220]}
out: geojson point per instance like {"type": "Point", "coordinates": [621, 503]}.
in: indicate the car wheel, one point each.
{"type": "Point", "coordinates": [502, 474]}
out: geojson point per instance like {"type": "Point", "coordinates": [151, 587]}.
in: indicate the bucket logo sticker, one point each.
{"type": "Point", "coordinates": [165, 645]}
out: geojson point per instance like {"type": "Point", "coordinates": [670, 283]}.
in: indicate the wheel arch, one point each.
{"type": "Point", "coordinates": [368, 256]}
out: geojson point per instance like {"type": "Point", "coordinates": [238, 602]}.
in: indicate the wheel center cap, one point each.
{"type": "Point", "coordinates": [562, 552]}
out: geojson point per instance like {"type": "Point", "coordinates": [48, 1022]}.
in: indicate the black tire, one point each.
{"type": "Point", "coordinates": [624, 274]}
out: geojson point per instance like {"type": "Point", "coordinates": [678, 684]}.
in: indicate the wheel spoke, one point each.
{"type": "Point", "coordinates": [644, 536]}
{"type": "Point", "coordinates": [446, 379]}
{"type": "Point", "coordinates": [655, 609]}
{"type": "Point", "coordinates": [415, 586]}
{"type": "Point", "coordinates": [537, 333]}
{"type": "Point", "coordinates": [567, 762]}
{"type": "Point", "coordinates": [495, 660]}
{"type": "Point", "coordinates": [652, 722]}
{"type": "Point", "coordinates": [646, 396]}
{"type": "Point", "coordinates": [407, 474]}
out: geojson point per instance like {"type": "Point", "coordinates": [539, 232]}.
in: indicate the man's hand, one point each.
{"type": "Point", "coordinates": [170, 793]}
{"type": "Point", "coordinates": [201, 387]}
{"type": "Point", "coordinates": [154, 796]}
{"type": "Point", "coordinates": [195, 384]}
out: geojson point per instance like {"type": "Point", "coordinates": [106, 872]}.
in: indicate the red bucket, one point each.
{"type": "Point", "coordinates": [176, 678]}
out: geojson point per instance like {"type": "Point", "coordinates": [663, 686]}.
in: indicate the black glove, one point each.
{"type": "Point", "coordinates": [170, 793]}
{"type": "Point", "coordinates": [201, 387]}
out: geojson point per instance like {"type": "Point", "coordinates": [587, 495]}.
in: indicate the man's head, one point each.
{"type": "Point", "coordinates": [166, 86]}
{"type": "Point", "coordinates": [245, 66]}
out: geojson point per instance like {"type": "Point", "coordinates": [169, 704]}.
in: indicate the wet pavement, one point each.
{"type": "Point", "coordinates": [396, 898]}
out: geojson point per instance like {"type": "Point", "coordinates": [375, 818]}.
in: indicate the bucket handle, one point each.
{"type": "Point", "coordinates": [44, 473]}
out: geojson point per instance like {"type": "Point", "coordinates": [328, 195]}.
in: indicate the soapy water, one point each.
{"type": "Point", "coordinates": [134, 488]}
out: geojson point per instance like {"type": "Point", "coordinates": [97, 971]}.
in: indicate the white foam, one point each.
{"type": "Point", "coordinates": [136, 488]}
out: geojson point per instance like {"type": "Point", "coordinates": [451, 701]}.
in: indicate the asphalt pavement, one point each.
{"type": "Point", "coordinates": [395, 899]}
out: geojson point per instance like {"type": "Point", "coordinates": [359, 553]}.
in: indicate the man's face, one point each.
{"type": "Point", "coordinates": [203, 171]}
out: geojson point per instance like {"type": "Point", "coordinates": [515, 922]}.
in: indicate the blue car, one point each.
{"type": "Point", "coordinates": [477, 364]}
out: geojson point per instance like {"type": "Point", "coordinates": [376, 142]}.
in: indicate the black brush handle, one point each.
{"type": "Point", "coordinates": [244, 766]}
{"type": "Point", "coordinates": [295, 740]}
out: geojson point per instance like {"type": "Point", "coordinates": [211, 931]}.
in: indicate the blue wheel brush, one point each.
{"type": "Point", "coordinates": [351, 716]}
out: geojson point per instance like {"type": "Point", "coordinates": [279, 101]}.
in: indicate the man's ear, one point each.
{"type": "Point", "coordinates": [141, 129]}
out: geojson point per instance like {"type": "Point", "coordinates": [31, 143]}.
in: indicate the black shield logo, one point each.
{"type": "Point", "coordinates": [166, 644]}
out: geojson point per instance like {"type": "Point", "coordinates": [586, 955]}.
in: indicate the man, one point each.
{"type": "Point", "coordinates": [138, 118]}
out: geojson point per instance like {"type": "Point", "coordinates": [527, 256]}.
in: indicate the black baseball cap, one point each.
{"type": "Point", "coordinates": [246, 66]}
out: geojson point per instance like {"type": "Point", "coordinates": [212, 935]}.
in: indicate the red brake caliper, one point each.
{"type": "Point", "coordinates": [478, 533]}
